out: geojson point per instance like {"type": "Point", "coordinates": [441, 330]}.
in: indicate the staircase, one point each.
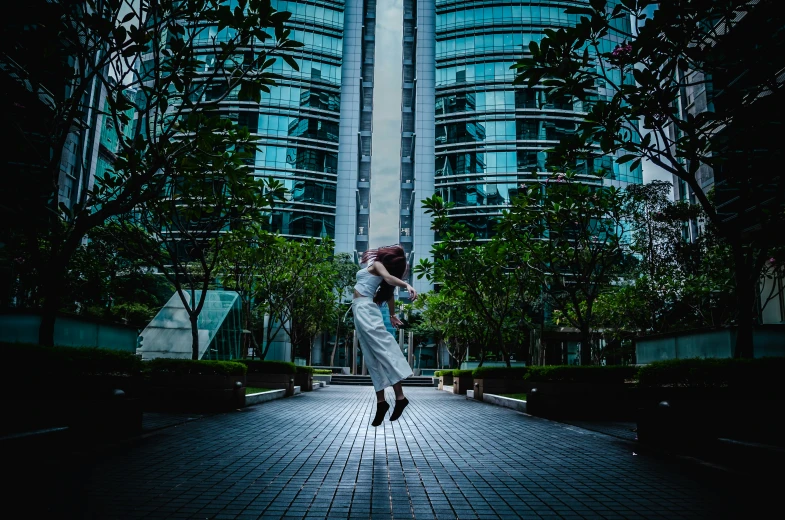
{"type": "Point", "coordinates": [366, 380]}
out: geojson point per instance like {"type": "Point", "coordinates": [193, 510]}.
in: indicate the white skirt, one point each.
{"type": "Point", "coordinates": [383, 356]}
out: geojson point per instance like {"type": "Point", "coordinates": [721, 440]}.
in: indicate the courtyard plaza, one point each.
{"type": "Point", "coordinates": [315, 455]}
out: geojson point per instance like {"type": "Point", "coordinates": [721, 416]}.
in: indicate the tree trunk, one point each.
{"type": "Point", "coordinates": [194, 319]}
{"type": "Point", "coordinates": [52, 289]}
{"type": "Point", "coordinates": [505, 353]}
{"type": "Point", "coordinates": [745, 298]}
{"type": "Point", "coordinates": [335, 345]}
{"type": "Point", "coordinates": [46, 330]}
{"type": "Point", "coordinates": [586, 345]}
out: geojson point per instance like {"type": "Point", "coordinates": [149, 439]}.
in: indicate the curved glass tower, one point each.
{"type": "Point", "coordinates": [314, 126]}
{"type": "Point", "coordinates": [490, 136]}
{"type": "Point", "coordinates": [298, 122]}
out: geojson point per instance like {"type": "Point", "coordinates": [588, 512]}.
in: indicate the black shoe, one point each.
{"type": "Point", "coordinates": [381, 409]}
{"type": "Point", "coordinates": [400, 404]}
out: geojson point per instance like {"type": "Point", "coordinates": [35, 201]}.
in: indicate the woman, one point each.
{"type": "Point", "coordinates": [375, 285]}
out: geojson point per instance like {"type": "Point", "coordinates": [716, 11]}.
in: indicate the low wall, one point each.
{"type": "Point", "coordinates": [768, 341]}
{"type": "Point", "coordinates": [70, 331]}
{"type": "Point", "coordinates": [263, 397]}
{"type": "Point", "coordinates": [471, 365]}
{"type": "Point", "coordinates": [506, 402]}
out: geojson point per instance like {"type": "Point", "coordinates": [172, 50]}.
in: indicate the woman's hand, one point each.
{"type": "Point", "coordinates": [395, 321]}
{"type": "Point", "coordinates": [412, 292]}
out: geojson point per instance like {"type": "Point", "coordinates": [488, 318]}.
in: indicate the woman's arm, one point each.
{"type": "Point", "coordinates": [390, 279]}
{"type": "Point", "coordinates": [393, 318]}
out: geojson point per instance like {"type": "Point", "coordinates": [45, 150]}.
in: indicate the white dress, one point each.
{"type": "Point", "coordinates": [383, 356]}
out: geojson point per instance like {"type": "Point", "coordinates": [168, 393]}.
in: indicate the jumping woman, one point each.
{"type": "Point", "coordinates": [385, 361]}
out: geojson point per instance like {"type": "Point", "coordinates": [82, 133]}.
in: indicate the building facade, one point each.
{"type": "Point", "coordinates": [475, 137]}
{"type": "Point", "coordinates": [743, 80]}
{"type": "Point", "coordinates": [314, 126]}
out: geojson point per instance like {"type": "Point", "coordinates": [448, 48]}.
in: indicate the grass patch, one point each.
{"type": "Point", "coordinates": [520, 397]}
{"type": "Point", "coordinates": [255, 390]}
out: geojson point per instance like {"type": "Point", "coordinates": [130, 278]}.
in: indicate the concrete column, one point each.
{"type": "Point", "coordinates": [353, 369]}
{"type": "Point", "coordinates": [411, 349]}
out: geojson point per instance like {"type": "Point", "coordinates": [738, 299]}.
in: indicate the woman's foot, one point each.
{"type": "Point", "coordinates": [400, 404]}
{"type": "Point", "coordinates": [381, 409]}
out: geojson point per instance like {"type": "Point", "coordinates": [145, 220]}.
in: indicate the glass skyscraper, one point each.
{"type": "Point", "coordinates": [314, 126]}
{"type": "Point", "coordinates": [474, 137]}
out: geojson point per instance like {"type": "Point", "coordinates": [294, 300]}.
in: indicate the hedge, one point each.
{"type": "Point", "coordinates": [581, 374]}
{"type": "Point", "coordinates": [500, 372]}
{"type": "Point", "coordinates": [439, 373]}
{"type": "Point", "coordinates": [196, 367]}
{"type": "Point", "coordinates": [459, 373]}
{"type": "Point", "coordinates": [304, 370]}
{"type": "Point", "coordinates": [59, 362]}
{"type": "Point", "coordinates": [268, 367]}
{"type": "Point", "coordinates": [322, 371]}
{"type": "Point", "coordinates": [713, 373]}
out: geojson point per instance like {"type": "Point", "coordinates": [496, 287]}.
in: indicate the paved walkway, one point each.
{"type": "Point", "coordinates": [316, 456]}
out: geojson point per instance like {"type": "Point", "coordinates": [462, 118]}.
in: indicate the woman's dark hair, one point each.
{"type": "Point", "coordinates": [394, 260]}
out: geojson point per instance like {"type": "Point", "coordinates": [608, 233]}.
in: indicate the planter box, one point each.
{"type": "Point", "coordinates": [684, 417]}
{"type": "Point", "coordinates": [195, 393]}
{"type": "Point", "coordinates": [271, 381]}
{"type": "Point", "coordinates": [462, 383]}
{"type": "Point", "coordinates": [324, 378]}
{"type": "Point", "coordinates": [445, 381]}
{"type": "Point", "coordinates": [562, 399]}
{"type": "Point", "coordinates": [499, 386]}
{"type": "Point", "coordinates": [304, 380]}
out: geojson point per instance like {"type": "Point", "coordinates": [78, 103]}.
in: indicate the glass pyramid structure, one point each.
{"type": "Point", "coordinates": [168, 335]}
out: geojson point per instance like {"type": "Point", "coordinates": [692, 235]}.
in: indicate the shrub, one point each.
{"type": "Point", "coordinates": [712, 373]}
{"type": "Point", "coordinates": [322, 371]}
{"type": "Point", "coordinates": [304, 370]}
{"type": "Point", "coordinates": [581, 374]}
{"type": "Point", "coordinates": [268, 367]}
{"type": "Point", "coordinates": [500, 372]}
{"type": "Point", "coordinates": [60, 362]}
{"type": "Point", "coordinates": [459, 373]}
{"type": "Point", "coordinates": [195, 367]}
{"type": "Point", "coordinates": [439, 373]}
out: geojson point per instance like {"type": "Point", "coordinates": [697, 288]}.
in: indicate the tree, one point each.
{"type": "Point", "coordinates": [676, 282]}
{"type": "Point", "coordinates": [567, 234]}
{"type": "Point", "coordinates": [156, 50]}
{"type": "Point", "coordinates": [184, 230]}
{"type": "Point", "coordinates": [243, 258]}
{"type": "Point", "coordinates": [479, 274]}
{"type": "Point", "coordinates": [310, 303]}
{"type": "Point", "coordinates": [730, 47]}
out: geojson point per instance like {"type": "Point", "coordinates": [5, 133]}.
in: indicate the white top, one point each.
{"type": "Point", "coordinates": [367, 283]}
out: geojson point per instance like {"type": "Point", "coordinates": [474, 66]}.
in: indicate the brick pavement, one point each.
{"type": "Point", "coordinates": [316, 456]}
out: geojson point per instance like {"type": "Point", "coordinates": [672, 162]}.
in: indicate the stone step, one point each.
{"type": "Point", "coordinates": [366, 381]}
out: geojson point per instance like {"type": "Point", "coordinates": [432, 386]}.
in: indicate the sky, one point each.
{"type": "Point", "coordinates": [386, 156]}
{"type": "Point", "coordinates": [385, 161]}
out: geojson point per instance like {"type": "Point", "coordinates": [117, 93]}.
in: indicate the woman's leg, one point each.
{"type": "Point", "coordinates": [400, 401]}
{"type": "Point", "coordinates": [381, 408]}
